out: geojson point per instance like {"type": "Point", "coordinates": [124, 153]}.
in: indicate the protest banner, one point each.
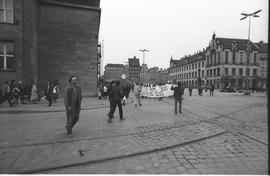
{"type": "Point", "coordinates": [157, 91]}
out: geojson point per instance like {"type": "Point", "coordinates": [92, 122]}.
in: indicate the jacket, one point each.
{"type": "Point", "coordinates": [178, 92]}
{"type": "Point", "coordinates": [72, 100]}
{"type": "Point", "coordinates": [116, 93]}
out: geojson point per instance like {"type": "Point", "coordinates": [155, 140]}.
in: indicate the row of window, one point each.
{"type": "Point", "coordinates": [213, 72]}
{"type": "Point", "coordinates": [240, 72]}
{"type": "Point", "coordinates": [7, 60]}
{"type": "Point", "coordinates": [188, 67]}
{"type": "Point", "coordinates": [6, 11]}
{"type": "Point", "coordinates": [186, 75]}
{"type": "Point", "coordinates": [215, 59]}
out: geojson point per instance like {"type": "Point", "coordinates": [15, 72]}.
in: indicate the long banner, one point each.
{"type": "Point", "coordinates": [157, 91]}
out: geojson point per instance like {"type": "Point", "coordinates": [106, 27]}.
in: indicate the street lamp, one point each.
{"type": "Point", "coordinates": [143, 50]}
{"type": "Point", "coordinates": [249, 17]}
{"type": "Point", "coordinates": [248, 44]}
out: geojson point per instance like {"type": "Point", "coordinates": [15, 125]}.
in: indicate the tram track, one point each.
{"type": "Point", "coordinates": [210, 120]}
{"type": "Point", "coordinates": [113, 158]}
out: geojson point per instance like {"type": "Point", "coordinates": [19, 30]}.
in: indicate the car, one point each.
{"type": "Point", "coordinates": [227, 89]}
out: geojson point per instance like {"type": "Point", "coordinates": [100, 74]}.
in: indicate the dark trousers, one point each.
{"type": "Point", "coordinates": [211, 92]}
{"type": "Point", "coordinates": [72, 119]}
{"type": "Point", "coordinates": [180, 105]}
{"type": "Point", "coordinates": [6, 97]}
{"type": "Point", "coordinates": [113, 104]}
{"type": "Point", "coordinates": [190, 92]}
{"type": "Point", "coordinates": [49, 98]}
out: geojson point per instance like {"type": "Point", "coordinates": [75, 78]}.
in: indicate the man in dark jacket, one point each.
{"type": "Point", "coordinates": [115, 97]}
{"type": "Point", "coordinates": [48, 92]}
{"type": "Point", "coordinates": [177, 95]}
{"type": "Point", "coordinates": [72, 100]}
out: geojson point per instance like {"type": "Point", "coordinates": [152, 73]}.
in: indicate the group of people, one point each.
{"type": "Point", "coordinates": [12, 92]}
{"type": "Point", "coordinates": [51, 93]}
{"type": "Point", "coordinates": [17, 94]}
{"type": "Point", "coordinates": [200, 90]}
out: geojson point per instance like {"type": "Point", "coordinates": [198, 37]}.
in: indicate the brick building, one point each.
{"type": "Point", "coordinates": [134, 69]}
{"type": "Point", "coordinates": [113, 72]}
{"type": "Point", "coordinates": [43, 40]}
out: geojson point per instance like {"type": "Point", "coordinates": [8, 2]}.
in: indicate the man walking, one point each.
{"type": "Point", "coordinates": [137, 93]}
{"type": "Point", "coordinates": [48, 93]}
{"type": "Point", "coordinates": [115, 97]}
{"type": "Point", "coordinates": [190, 90]}
{"type": "Point", "coordinates": [72, 100]}
{"type": "Point", "coordinates": [177, 95]}
{"type": "Point", "coordinates": [6, 94]}
{"type": "Point", "coordinates": [212, 90]}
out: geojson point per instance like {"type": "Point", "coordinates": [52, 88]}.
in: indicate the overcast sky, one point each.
{"type": "Point", "coordinates": [174, 27]}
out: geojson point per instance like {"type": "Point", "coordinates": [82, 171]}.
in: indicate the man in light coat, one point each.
{"type": "Point", "coordinates": [137, 93]}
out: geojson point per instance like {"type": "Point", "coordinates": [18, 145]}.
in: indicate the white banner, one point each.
{"type": "Point", "coordinates": [157, 91]}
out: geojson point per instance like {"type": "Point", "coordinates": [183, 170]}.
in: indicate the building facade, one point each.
{"type": "Point", "coordinates": [226, 62]}
{"type": "Point", "coordinates": [113, 72]}
{"type": "Point", "coordinates": [43, 40]}
{"type": "Point", "coordinates": [189, 70]}
{"type": "Point", "coordinates": [144, 74]}
{"type": "Point", "coordinates": [163, 76]}
{"type": "Point", "coordinates": [232, 62]}
{"type": "Point", "coordinates": [134, 69]}
{"type": "Point", "coordinates": [263, 65]}
{"type": "Point", "coordinates": [153, 75]}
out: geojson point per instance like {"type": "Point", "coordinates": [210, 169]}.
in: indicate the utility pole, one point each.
{"type": "Point", "coordinates": [143, 50]}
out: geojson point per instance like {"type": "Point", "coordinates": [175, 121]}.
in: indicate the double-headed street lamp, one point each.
{"type": "Point", "coordinates": [254, 14]}
{"type": "Point", "coordinates": [249, 17]}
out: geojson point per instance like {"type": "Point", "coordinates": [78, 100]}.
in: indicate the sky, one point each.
{"type": "Point", "coordinates": [174, 28]}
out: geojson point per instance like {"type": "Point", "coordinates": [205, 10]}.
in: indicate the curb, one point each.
{"type": "Point", "coordinates": [56, 110]}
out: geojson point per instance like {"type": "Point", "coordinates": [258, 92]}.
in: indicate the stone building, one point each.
{"type": "Point", "coordinates": [189, 70]}
{"type": "Point", "coordinates": [232, 62]}
{"type": "Point", "coordinates": [263, 64]}
{"type": "Point", "coordinates": [163, 76]}
{"type": "Point", "coordinates": [153, 75]}
{"type": "Point", "coordinates": [144, 74]}
{"type": "Point", "coordinates": [113, 72]}
{"type": "Point", "coordinates": [43, 40]}
{"type": "Point", "coordinates": [134, 69]}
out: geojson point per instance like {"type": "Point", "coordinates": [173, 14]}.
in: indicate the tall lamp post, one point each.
{"type": "Point", "coordinates": [254, 14]}
{"type": "Point", "coordinates": [143, 50]}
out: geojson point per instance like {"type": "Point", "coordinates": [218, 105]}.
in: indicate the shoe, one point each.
{"type": "Point", "coordinates": [140, 104]}
{"type": "Point", "coordinates": [69, 135]}
{"type": "Point", "coordinates": [122, 119]}
{"type": "Point", "coordinates": [109, 120]}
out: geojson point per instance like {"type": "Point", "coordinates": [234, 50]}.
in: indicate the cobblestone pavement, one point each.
{"type": "Point", "coordinates": [224, 134]}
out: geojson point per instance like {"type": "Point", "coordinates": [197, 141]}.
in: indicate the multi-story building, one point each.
{"type": "Point", "coordinates": [134, 69]}
{"type": "Point", "coordinates": [153, 75]}
{"type": "Point", "coordinates": [263, 64]}
{"type": "Point", "coordinates": [232, 62]}
{"type": "Point", "coordinates": [144, 74]}
{"type": "Point", "coordinates": [163, 76]}
{"type": "Point", "coordinates": [113, 72]}
{"type": "Point", "coordinates": [189, 70]}
{"type": "Point", "coordinates": [43, 40]}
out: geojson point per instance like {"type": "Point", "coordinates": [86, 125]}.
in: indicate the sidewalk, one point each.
{"type": "Point", "coordinates": [42, 106]}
